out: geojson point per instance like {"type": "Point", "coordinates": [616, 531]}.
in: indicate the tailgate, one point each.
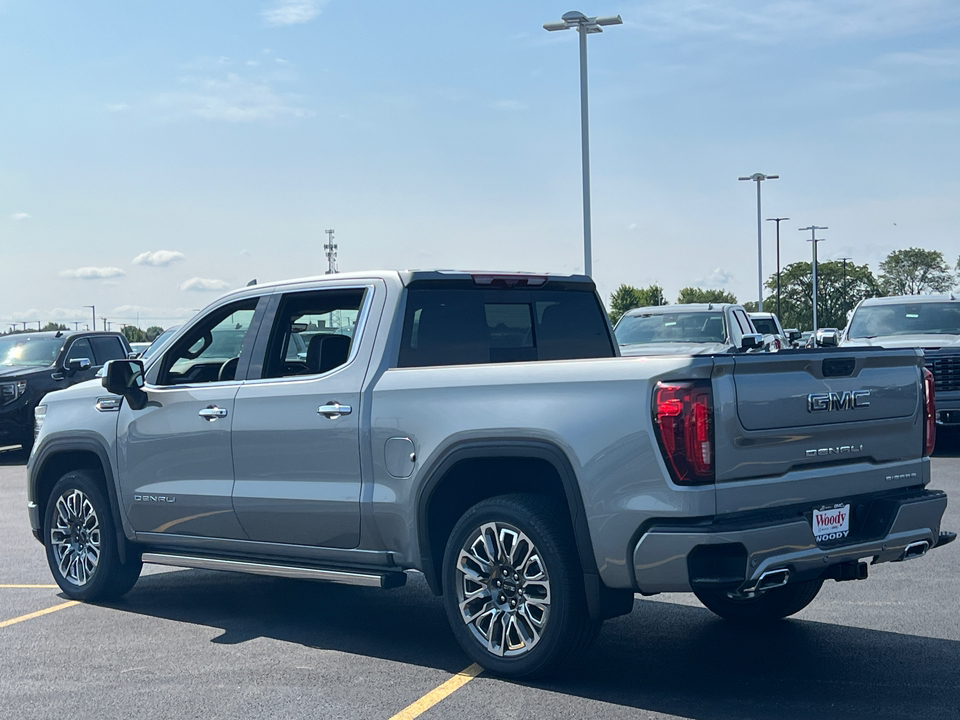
{"type": "Point", "coordinates": [816, 425]}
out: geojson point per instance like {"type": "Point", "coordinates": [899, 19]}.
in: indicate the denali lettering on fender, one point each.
{"type": "Point", "coordinates": [155, 498]}
{"type": "Point", "coordinates": [846, 400]}
{"type": "Point", "coordinates": [838, 450]}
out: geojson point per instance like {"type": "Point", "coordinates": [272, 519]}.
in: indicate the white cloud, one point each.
{"type": "Point", "coordinates": [718, 278]}
{"type": "Point", "coordinates": [160, 258]}
{"type": "Point", "coordinates": [19, 217]}
{"type": "Point", "coordinates": [92, 273]}
{"type": "Point", "coordinates": [117, 107]}
{"type": "Point", "coordinates": [293, 12]}
{"type": "Point", "coordinates": [204, 285]}
{"type": "Point", "coordinates": [510, 105]}
{"type": "Point", "coordinates": [234, 99]}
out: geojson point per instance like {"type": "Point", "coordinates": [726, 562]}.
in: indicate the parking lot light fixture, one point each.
{"type": "Point", "coordinates": [759, 178]}
{"type": "Point", "coordinates": [93, 310]}
{"type": "Point", "coordinates": [585, 26]}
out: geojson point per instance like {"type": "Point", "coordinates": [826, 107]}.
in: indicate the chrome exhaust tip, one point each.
{"type": "Point", "coordinates": [915, 550]}
{"type": "Point", "coordinates": [767, 581]}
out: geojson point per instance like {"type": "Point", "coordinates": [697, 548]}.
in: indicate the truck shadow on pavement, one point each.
{"type": "Point", "coordinates": [664, 657]}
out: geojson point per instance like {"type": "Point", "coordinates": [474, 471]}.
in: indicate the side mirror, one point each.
{"type": "Point", "coordinates": [793, 334]}
{"type": "Point", "coordinates": [125, 377]}
{"type": "Point", "coordinates": [751, 341]}
{"type": "Point", "coordinates": [827, 337]}
{"type": "Point", "coordinates": [75, 365]}
{"type": "Point", "coordinates": [132, 355]}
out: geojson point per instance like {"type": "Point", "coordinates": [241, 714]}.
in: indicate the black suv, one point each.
{"type": "Point", "coordinates": [33, 364]}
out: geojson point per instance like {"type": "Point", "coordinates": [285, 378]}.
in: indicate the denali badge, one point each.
{"type": "Point", "coordinates": [838, 450]}
{"type": "Point", "coordinates": [828, 402]}
{"type": "Point", "coordinates": [155, 498]}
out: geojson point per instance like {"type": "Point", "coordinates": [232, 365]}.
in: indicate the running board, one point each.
{"type": "Point", "coordinates": [343, 577]}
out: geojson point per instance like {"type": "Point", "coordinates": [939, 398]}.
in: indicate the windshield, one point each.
{"type": "Point", "coordinates": [158, 343]}
{"type": "Point", "coordinates": [765, 325]}
{"type": "Point", "coordinates": [923, 318]}
{"type": "Point", "coordinates": [698, 327]}
{"type": "Point", "coordinates": [35, 351]}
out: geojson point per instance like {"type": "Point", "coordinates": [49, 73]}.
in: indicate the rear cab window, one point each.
{"type": "Point", "coordinates": [464, 322]}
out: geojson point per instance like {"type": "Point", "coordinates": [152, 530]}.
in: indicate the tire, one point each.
{"type": "Point", "coordinates": [80, 539]}
{"type": "Point", "coordinates": [513, 587]}
{"type": "Point", "coordinates": [768, 606]}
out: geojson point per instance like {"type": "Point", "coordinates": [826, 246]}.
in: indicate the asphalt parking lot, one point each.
{"type": "Point", "coordinates": [198, 644]}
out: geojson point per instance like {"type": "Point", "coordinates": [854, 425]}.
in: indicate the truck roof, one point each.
{"type": "Point", "coordinates": [901, 299]}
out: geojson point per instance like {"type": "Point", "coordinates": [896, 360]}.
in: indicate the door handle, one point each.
{"type": "Point", "coordinates": [212, 412]}
{"type": "Point", "coordinates": [334, 410]}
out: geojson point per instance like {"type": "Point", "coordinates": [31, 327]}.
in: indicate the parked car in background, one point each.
{"type": "Point", "coordinates": [695, 329]}
{"type": "Point", "coordinates": [138, 347]}
{"type": "Point", "coordinates": [769, 325]}
{"type": "Point", "coordinates": [34, 364]}
{"type": "Point", "coordinates": [928, 322]}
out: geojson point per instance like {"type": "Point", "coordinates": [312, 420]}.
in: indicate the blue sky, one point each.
{"type": "Point", "coordinates": [153, 155]}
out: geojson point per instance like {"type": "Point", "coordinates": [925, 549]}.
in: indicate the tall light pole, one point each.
{"type": "Point", "coordinates": [814, 239]}
{"type": "Point", "coordinates": [844, 311]}
{"type": "Point", "coordinates": [585, 26]}
{"type": "Point", "coordinates": [759, 178]}
{"type": "Point", "coordinates": [93, 310]}
{"type": "Point", "coordinates": [777, 221]}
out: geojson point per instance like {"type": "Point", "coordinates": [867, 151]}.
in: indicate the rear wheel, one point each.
{"type": "Point", "coordinates": [763, 607]}
{"type": "Point", "coordinates": [513, 587]}
{"type": "Point", "coordinates": [81, 544]}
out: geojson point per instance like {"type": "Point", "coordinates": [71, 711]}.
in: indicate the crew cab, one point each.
{"type": "Point", "coordinates": [36, 363]}
{"type": "Point", "coordinates": [481, 429]}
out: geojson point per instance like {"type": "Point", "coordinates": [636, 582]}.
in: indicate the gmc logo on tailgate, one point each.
{"type": "Point", "coordinates": [847, 400]}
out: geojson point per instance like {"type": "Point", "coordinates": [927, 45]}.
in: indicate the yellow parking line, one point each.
{"type": "Point", "coordinates": [31, 616]}
{"type": "Point", "coordinates": [29, 587]}
{"type": "Point", "coordinates": [439, 693]}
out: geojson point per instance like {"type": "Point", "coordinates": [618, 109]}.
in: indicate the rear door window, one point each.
{"type": "Point", "coordinates": [467, 326]}
{"type": "Point", "coordinates": [107, 348]}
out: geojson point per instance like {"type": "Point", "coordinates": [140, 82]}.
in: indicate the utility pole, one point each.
{"type": "Point", "coordinates": [106, 325]}
{"type": "Point", "coordinates": [76, 325]}
{"type": "Point", "coordinates": [93, 311]}
{"type": "Point", "coordinates": [814, 239]}
{"type": "Point", "coordinates": [330, 248]}
{"type": "Point", "coordinates": [778, 221]}
{"type": "Point", "coordinates": [844, 313]}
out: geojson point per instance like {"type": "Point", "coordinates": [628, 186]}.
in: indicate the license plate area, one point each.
{"type": "Point", "coordinates": [832, 523]}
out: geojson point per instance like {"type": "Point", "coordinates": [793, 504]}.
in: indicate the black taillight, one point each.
{"type": "Point", "coordinates": [930, 413]}
{"type": "Point", "coordinates": [683, 418]}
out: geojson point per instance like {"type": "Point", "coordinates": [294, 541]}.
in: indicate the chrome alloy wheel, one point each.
{"type": "Point", "coordinates": [75, 537]}
{"type": "Point", "coordinates": [503, 589]}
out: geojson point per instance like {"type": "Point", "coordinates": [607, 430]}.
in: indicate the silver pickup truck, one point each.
{"type": "Point", "coordinates": [482, 430]}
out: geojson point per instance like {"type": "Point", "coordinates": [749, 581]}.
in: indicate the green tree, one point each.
{"type": "Point", "coordinates": [134, 334]}
{"type": "Point", "coordinates": [835, 298]}
{"type": "Point", "coordinates": [152, 333]}
{"type": "Point", "coordinates": [55, 326]}
{"type": "Point", "coordinates": [699, 295]}
{"type": "Point", "coordinates": [628, 297]}
{"type": "Point", "coordinates": [915, 271]}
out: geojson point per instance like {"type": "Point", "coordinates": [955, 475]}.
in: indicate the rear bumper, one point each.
{"type": "Point", "coordinates": [734, 552]}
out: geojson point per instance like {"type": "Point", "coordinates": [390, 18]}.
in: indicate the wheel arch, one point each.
{"type": "Point", "coordinates": [507, 465]}
{"type": "Point", "coordinates": [60, 457]}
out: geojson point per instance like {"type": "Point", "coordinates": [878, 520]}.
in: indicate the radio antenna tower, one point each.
{"type": "Point", "coordinates": [330, 248]}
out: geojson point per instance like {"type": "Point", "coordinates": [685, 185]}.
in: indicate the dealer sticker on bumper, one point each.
{"type": "Point", "coordinates": [831, 523]}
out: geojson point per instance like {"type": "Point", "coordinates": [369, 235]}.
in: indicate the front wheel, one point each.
{"type": "Point", "coordinates": [765, 607]}
{"type": "Point", "coordinates": [81, 541]}
{"type": "Point", "coordinates": [513, 586]}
